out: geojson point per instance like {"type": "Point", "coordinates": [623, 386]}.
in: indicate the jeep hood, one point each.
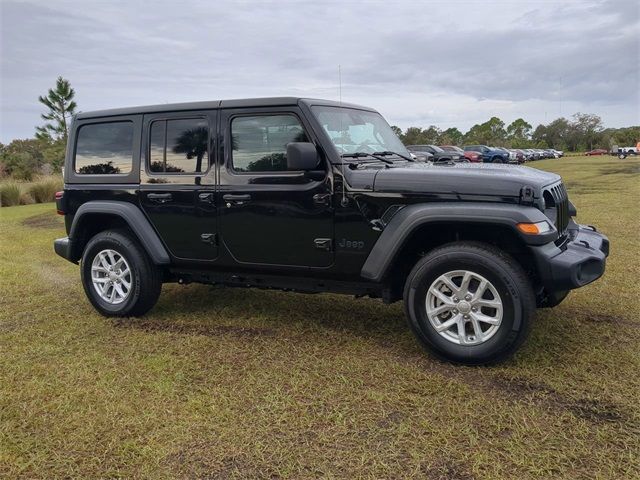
{"type": "Point", "coordinates": [486, 179]}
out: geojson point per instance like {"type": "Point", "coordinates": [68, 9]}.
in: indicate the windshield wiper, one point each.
{"type": "Point", "coordinates": [364, 154]}
{"type": "Point", "coordinates": [387, 152]}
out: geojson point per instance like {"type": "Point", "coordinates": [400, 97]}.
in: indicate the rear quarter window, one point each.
{"type": "Point", "coordinates": [104, 148]}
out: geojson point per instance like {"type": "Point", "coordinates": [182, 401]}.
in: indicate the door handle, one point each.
{"type": "Point", "coordinates": [160, 197]}
{"type": "Point", "coordinates": [206, 197]}
{"type": "Point", "coordinates": [232, 199]}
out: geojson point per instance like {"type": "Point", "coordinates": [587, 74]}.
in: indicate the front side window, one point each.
{"type": "Point", "coordinates": [179, 146]}
{"type": "Point", "coordinates": [354, 130]}
{"type": "Point", "coordinates": [259, 143]}
{"type": "Point", "coordinates": [104, 148]}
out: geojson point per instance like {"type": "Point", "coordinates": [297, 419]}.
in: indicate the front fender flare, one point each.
{"type": "Point", "coordinates": [133, 216]}
{"type": "Point", "coordinates": [408, 219]}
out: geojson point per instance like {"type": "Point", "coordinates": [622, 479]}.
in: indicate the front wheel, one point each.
{"type": "Point", "coordinates": [118, 276]}
{"type": "Point", "coordinates": [468, 302]}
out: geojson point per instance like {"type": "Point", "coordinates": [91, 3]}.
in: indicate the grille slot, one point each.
{"type": "Point", "coordinates": [561, 200]}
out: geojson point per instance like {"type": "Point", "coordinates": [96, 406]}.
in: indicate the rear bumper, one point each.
{"type": "Point", "coordinates": [63, 247]}
{"type": "Point", "coordinates": [580, 261]}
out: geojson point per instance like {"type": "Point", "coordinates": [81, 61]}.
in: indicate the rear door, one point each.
{"type": "Point", "coordinates": [177, 182]}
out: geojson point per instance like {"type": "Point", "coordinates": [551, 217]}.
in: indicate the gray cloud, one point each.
{"type": "Point", "coordinates": [443, 63]}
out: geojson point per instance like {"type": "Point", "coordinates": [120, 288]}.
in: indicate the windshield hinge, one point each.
{"type": "Point", "coordinates": [526, 195]}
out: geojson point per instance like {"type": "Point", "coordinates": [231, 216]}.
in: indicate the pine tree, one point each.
{"type": "Point", "coordinates": [61, 107]}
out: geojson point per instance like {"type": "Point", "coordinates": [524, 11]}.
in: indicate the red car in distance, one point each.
{"type": "Point", "coordinates": [471, 156]}
{"type": "Point", "coordinates": [597, 151]}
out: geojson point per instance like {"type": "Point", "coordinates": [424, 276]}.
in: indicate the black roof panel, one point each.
{"type": "Point", "coordinates": [212, 104]}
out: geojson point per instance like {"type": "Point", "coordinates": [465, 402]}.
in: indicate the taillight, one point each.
{"type": "Point", "coordinates": [59, 204]}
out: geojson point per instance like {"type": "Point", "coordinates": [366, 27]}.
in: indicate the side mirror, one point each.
{"type": "Point", "coordinates": [302, 156]}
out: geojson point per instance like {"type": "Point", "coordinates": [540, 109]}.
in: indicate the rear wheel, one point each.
{"type": "Point", "coordinates": [118, 276]}
{"type": "Point", "coordinates": [468, 302]}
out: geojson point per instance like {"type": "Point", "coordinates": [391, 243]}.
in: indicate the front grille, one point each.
{"type": "Point", "coordinates": [561, 206]}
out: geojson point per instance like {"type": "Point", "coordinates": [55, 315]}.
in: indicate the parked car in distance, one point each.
{"type": "Point", "coordinates": [528, 154]}
{"type": "Point", "coordinates": [509, 155]}
{"type": "Point", "coordinates": [437, 154]}
{"type": "Point", "coordinates": [520, 156]}
{"type": "Point", "coordinates": [469, 155]}
{"type": "Point", "coordinates": [313, 196]}
{"type": "Point", "coordinates": [596, 151]}
{"type": "Point", "coordinates": [624, 152]}
{"type": "Point", "coordinates": [489, 155]}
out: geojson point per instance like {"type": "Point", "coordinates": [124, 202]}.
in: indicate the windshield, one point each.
{"type": "Point", "coordinates": [354, 130]}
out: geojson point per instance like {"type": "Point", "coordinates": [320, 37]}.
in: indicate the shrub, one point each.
{"type": "Point", "coordinates": [26, 199]}
{"type": "Point", "coordinates": [9, 194]}
{"type": "Point", "coordinates": [44, 189]}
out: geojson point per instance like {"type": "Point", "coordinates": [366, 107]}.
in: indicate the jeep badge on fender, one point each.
{"type": "Point", "coordinates": [317, 196]}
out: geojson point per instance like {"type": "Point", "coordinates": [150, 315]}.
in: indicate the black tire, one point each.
{"type": "Point", "coordinates": [146, 278]}
{"type": "Point", "coordinates": [497, 160]}
{"type": "Point", "coordinates": [504, 273]}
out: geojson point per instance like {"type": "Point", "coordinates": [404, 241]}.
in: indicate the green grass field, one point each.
{"type": "Point", "coordinates": [226, 383]}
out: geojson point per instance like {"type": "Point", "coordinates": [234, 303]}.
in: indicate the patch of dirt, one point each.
{"type": "Point", "coordinates": [196, 461]}
{"type": "Point", "coordinates": [187, 329]}
{"type": "Point", "coordinates": [446, 470]}
{"type": "Point", "coordinates": [629, 169]}
{"type": "Point", "coordinates": [390, 420]}
{"type": "Point", "coordinates": [44, 220]}
{"type": "Point", "coordinates": [592, 410]}
{"type": "Point", "coordinates": [596, 411]}
{"type": "Point", "coordinates": [609, 319]}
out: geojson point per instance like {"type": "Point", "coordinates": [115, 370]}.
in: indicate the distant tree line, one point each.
{"type": "Point", "coordinates": [44, 154]}
{"type": "Point", "coordinates": [582, 132]}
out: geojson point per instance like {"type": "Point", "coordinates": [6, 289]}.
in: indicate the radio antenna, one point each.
{"type": "Point", "coordinates": [344, 202]}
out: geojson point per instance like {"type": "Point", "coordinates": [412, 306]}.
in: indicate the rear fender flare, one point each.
{"type": "Point", "coordinates": [134, 218]}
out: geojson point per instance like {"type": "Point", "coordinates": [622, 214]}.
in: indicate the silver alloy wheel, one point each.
{"type": "Point", "coordinates": [111, 276]}
{"type": "Point", "coordinates": [464, 307]}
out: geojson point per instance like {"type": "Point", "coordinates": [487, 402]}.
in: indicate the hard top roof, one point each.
{"type": "Point", "coordinates": [213, 104]}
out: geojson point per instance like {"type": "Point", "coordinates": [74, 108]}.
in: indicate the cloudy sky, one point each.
{"type": "Point", "coordinates": [446, 63]}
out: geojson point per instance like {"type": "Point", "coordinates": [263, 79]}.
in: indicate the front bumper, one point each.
{"type": "Point", "coordinates": [64, 248]}
{"type": "Point", "coordinates": [578, 262]}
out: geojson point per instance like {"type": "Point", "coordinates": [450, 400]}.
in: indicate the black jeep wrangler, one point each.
{"type": "Point", "coordinates": [317, 196]}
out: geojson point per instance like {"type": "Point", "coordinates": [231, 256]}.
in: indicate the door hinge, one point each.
{"type": "Point", "coordinates": [210, 238]}
{"type": "Point", "coordinates": [322, 198]}
{"type": "Point", "coordinates": [324, 244]}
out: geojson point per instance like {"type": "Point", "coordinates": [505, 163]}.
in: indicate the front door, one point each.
{"type": "Point", "coordinates": [269, 215]}
{"type": "Point", "coordinates": [177, 182]}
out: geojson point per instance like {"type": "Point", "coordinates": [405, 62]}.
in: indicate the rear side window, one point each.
{"type": "Point", "coordinates": [259, 143]}
{"type": "Point", "coordinates": [179, 146]}
{"type": "Point", "coordinates": [104, 148]}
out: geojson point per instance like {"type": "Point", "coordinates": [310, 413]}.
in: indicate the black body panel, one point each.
{"type": "Point", "coordinates": [340, 228]}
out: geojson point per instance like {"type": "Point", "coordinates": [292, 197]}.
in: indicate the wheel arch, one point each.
{"type": "Point", "coordinates": [96, 216]}
{"type": "Point", "coordinates": [416, 229]}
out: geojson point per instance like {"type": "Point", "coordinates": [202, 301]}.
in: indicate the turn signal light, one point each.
{"type": "Point", "coordinates": [534, 228]}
